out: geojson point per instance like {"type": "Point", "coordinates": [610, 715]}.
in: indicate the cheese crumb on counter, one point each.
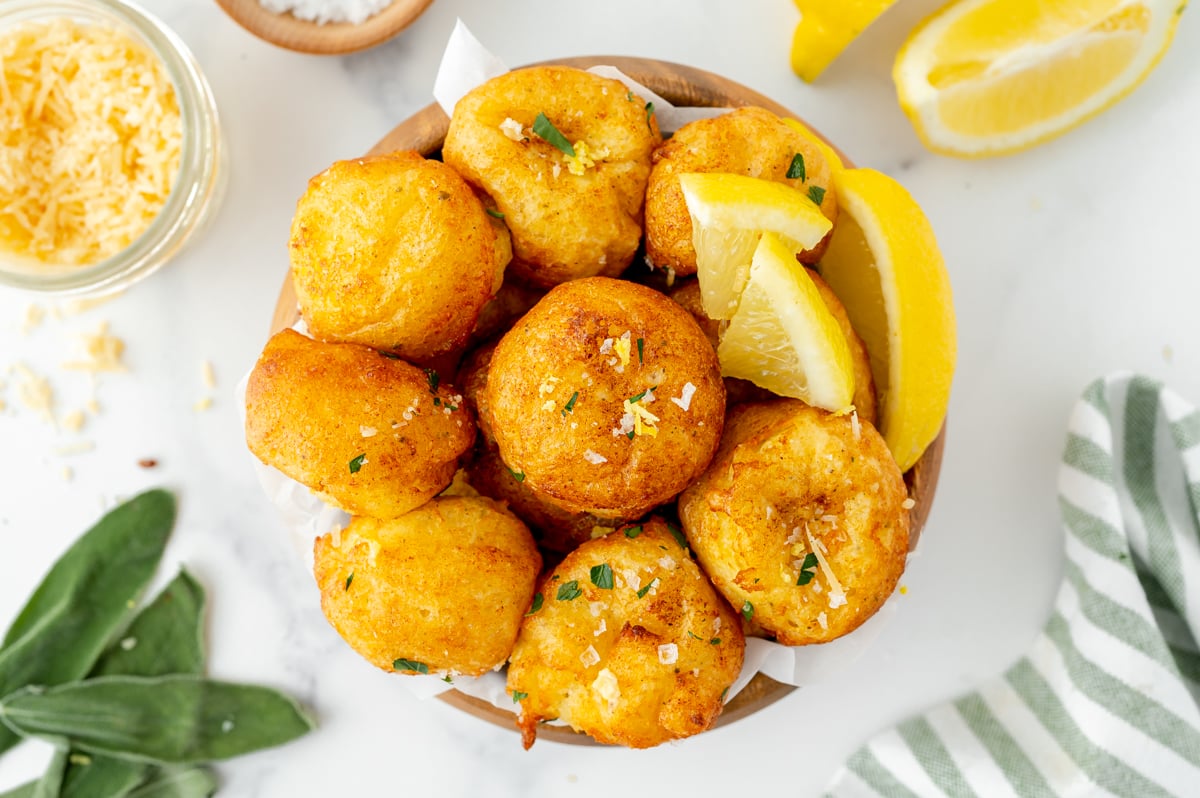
{"type": "Point", "coordinates": [93, 142]}
{"type": "Point", "coordinates": [102, 352]}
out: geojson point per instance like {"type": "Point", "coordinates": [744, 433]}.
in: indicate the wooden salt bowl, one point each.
{"type": "Point", "coordinates": [425, 132]}
{"type": "Point", "coordinates": [331, 38]}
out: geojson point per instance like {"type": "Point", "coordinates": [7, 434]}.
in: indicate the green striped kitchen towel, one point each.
{"type": "Point", "coordinates": [1106, 701]}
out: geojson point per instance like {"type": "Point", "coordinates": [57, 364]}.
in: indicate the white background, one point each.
{"type": "Point", "coordinates": [1068, 262]}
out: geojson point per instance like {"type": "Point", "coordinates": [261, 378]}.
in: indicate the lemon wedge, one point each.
{"type": "Point", "coordinates": [989, 77]}
{"type": "Point", "coordinates": [729, 212]}
{"type": "Point", "coordinates": [826, 29]}
{"type": "Point", "coordinates": [883, 263]}
{"type": "Point", "coordinates": [783, 337]}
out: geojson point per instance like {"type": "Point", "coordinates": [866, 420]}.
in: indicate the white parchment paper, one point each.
{"type": "Point", "coordinates": [465, 64]}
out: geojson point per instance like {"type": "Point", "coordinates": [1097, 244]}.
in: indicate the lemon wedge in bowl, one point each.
{"type": "Point", "coordinates": [729, 213]}
{"type": "Point", "coordinates": [990, 77]}
{"type": "Point", "coordinates": [783, 337]}
{"type": "Point", "coordinates": [884, 264]}
{"type": "Point", "coordinates": [826, 29]}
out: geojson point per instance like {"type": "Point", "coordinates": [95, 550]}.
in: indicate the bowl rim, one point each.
{"type": "Point", "coordinates": [683, 85]}
{"type": "Point", "coordinates": [330, 38]}
{"type": "Point", "coordinates": [201, 177]}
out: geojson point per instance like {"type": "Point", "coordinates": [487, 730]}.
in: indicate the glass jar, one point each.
{"type": "Point", "coordinates": [202, 171]}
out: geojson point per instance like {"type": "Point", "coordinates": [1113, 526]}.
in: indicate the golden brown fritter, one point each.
{"type": "Point", "coordinates": [747, 141]}
{"type": "Point", "coordinates": [570, 217]}
{"type": "Point", "coordinates": [554, 528]}
{"type": "Point", "coordinates": [472, 376]}
{"type": "Point", "coordinates": [510, 303]}
{"type": "Point", "coordinates": [396, 252]}
{"type": "Point", "coordinates": [687, 294]}
{"type": "Point", "coordinates": [631, 645]}
{"type": "Point", "coordinates": [443, 587]}
{"type": "Point", "coordinates": [802, 520]}
{"type": "Point", "coordinates": [370, 434]}
{"type": "Point", "coordinates": [607, 397]}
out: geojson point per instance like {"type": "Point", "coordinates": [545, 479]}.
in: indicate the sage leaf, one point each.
{"type": "Point", "coordinates": [166, 637]}
{"type": "Point", "coordinates": [24, 791]}
{"type": "Point", "coordinates": [85, 598]}
{"type": "Point", "coordinates": [50, 784]}
{"type": "Point", "coordinates": [104, 776]}
{"type": "Point", "coordinates": [170, 720]}
{"type": "Point", "coordinates": [177, 783]}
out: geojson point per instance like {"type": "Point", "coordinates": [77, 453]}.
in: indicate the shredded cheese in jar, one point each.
{"type": "Point", "coordinates": [91, 137]}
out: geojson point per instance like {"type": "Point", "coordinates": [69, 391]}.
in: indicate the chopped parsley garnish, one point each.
{"type": "Point", "coordinates": [518, 696]}
{"type": "Point", "coordinates": [633, 400]}
{"type": "Point", "coordinates": [410, 665]}
{"type": "Point", "coordinates": [447, 679]}
{"type": "Point", "coordinates": [633, 531]}
{"type": "Point", "coordinates": [641, 342]}
{"type": "Point", "coordinates": [519, 476]}
{"type": "Point", "coordinates": [437, 402]}
{"type": "Point", "coordinates": [544, 129]}
{"type": "Point", "coordinates": [641, 593]}
{"type": "Point", "coordinates": [797, 168]}
{"type": "Point", "coordinates": [349, 580]}
{"type": "Point", "coordinates": [677, 534]}
{"type": "Point", "coordinates": [569, 407]}
{"type": "Point", "coordinates": [602, 576]}
{"type": "Point", "coordinates": [816, 194]}
{"type": "Point", "coordinates": [390, 355]}
{"type": "Point", "coordinates": [629, 435]}
{"type": "Point", "coordinates": [693, 635]}
{"type": "Point", "coordinates": [649, 112]}
{"type": "Point", "coordinates": [716, 641]}
{"type": "Point", "coordinates": [723, 693]}
{"type": "Point", "coordinates": [357, 463]}
{"type": "Point", "coordinates": [537, 604]}
{"type": "Point", "coordinates": [434, 380]}
{"type": "Point", "coordinates": [569, 591]}
{"type": "Point", "coordinates": [629, 96]}
{"type": "Point", "coordinates": [494, 214]}
{"type": "Point", "coordinates": [747, 610]}
{"type": "Point", "coordinates": [807, 569]}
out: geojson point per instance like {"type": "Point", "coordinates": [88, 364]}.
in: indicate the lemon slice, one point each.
{"type": "Point", "coordinates": [988, 77]}
{"type": "Point", "coordinates": [827, 28]}
{"type": "Point", "coordinates": [883, 263]}
{"type": "Point", "coordinates": [728, 214]}
{"type": "Point", "coordinates": [783, 337]}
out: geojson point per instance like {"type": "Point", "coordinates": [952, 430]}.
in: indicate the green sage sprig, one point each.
{"type": "Point", "coordinates": [145, 714]}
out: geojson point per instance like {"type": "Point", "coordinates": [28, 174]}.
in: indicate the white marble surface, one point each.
{"type": "Point", "coordinates": [1067, 262]}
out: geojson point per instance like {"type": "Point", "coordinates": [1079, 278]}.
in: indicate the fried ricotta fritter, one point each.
{"type": "Point", "coordinates": [396, 252]}
{"type": "Point", "coordinates": [441, 589]}
{"type": "Point", "coordinates": [607, 397]}
{"type": "Point", "coordinates": [370, 434]}
{"type": "Point", "coordinates": [572, 198]}
{"type": "Point", "coordinates": [748, 141]}
{"type": "Point", "coordinates": [801, 520]}
{"type": "Point", "coordinates": [631, 645]}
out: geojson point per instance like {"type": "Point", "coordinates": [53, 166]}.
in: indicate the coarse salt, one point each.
{"type": "Point", "coordinates": [589, 657]}
{"type": "Point", "coordinates": [668, 653]}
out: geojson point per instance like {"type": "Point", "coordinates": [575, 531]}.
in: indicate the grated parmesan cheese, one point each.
{"type": "Point", "coordinates": [101, 351]}
{"type": "Point", "coordinates": [684, 400]}
{"type": "Point", "coordinates": [908, 504]}
{"type": "Point", "coordinates": [594, 458]}
{"type": "Point", "coordinates": [511, 128]}
{"type": "Point", "coordinates": [91, 143]}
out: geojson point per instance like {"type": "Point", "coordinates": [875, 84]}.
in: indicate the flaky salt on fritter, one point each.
{"type": "Point", "coordinates": [801, 520]}
{"type": "Point", "coordinates": [606, 397]}
{"type": "Point", "coordinates": [371, 434]}
{"type": "Point", "coordinates": [441, 589]}
{"type": "Point", "coordinates": [748, 141]}
{"type": "Point", "coordinates": [630, 643]}
{"type": "Point", "coordinates": [572, 197]}
{"type": "Point", "coordinates": [396, 252]}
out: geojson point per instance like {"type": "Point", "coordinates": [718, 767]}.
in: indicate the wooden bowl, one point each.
{"type": "Point", "coordinates": [331, 38]}
{"type": "Point", "coordinates": [425, 132]}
